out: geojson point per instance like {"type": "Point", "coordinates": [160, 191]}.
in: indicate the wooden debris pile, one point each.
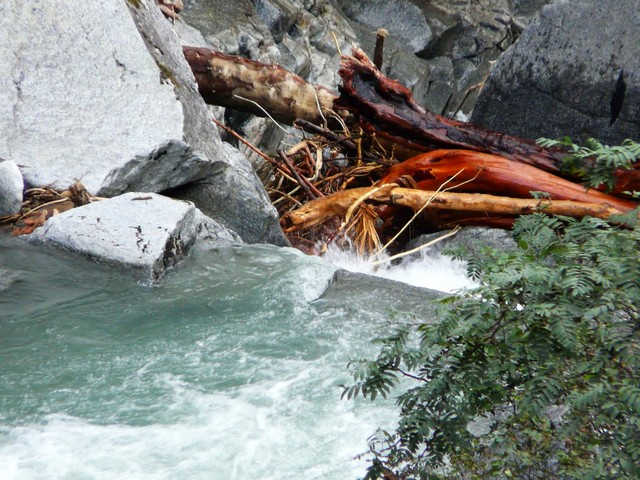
{"type": "Point", "coordinates": [40, 204]}
{"type": "Point", "coordinates": [378, 168]}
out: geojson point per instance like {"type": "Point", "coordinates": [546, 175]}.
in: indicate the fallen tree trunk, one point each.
{"type": "Point", "coordinates": [254, 87]}
{"type": "Point", "coordinates": [387, 108]}
{"type": "Point", "coordinates": [383, 106]}
{"type": "Point", "coordinates": [484, 162]}
{"type": "Point", "coordinates": [322, 209]}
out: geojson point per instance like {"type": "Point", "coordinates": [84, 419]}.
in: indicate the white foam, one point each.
{"type": "Point", "coordinates": [235, 383]}
{"type": "Point", "coordinates": [267, 430]}
{"type": "Point", "coordinates": [427, 270]}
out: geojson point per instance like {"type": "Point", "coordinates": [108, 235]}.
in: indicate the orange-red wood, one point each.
{"type": "Point", "coordinates": [485, 173]}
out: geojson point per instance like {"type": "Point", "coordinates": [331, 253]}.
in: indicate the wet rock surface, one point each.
{"type": "Point", "coordinates": [11, 186]}
{"type": "Point", "coordinates": [143, 232]}
{"type": "Point", "coordinates": [396, 297]}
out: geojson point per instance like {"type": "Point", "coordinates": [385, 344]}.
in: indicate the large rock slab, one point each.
{"type": "Point", "coordinates": [143, 232]}
{"type": "Point", "coordinates": [11, 187]}
{"type": "Point", "coordinates": [355, 292]}
{"type": "Point", "coordinates": [81, 96]}
{"type": "Point", "coordinates": [562, 77]}
{"type": "Point", "coordinates": [100, 92]}
{"type": "Point", "coordinates": [245, 210]}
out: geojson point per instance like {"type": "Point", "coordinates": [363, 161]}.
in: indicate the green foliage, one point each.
{"type": "Point", "coordinates": [594, 162]}
{"type": "Point", "coordinates": [552, 326]}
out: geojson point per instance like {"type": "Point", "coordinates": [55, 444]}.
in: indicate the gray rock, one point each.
{"type": "Point", "coordinates": [483, 424]}
{"type": "Point", "coordinates": [98, 96]}
{"type": "Point", "coordinates": [232, 27]}
{"type": "Point", "coordinates": [241, 202]}
{"type": "Point", "coordinates": [472, 239]}
{"type": "Point", "coordinates": [366, 292]}
{"type": "Point", "coordinates": [11, 187]}
{"type": "Point", "coordinates": [401, 18]}
{"type": "Point", "coordinates": [470, 35]}
{"type": "Point", "coordinates": [561, 77]}
{"type": "Point", "coordinates": [277, 15]}
{"type": "Point", "coordinates": [526, 10]}
{"type": "Point", "coordinates": [143, 232]}
{"type": "Point", "coordinates": [82, 95]}
{"type": "Point", "coordinates": [242, 198]}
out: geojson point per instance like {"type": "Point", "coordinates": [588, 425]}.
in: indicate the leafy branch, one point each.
{"type": "Point", "coordinates": [553, 327]}
{"type": "Point", "coordinates": [595, 163]}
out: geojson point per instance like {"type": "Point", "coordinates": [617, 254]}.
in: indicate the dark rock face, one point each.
{"type": "Point", "coordinates": [246, 204]}
{"type": "Point", "coordinates": [575, 71]}
{"type": "Point", "coordinates": [470, 35]}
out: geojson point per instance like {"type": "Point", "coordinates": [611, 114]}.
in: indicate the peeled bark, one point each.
{"type": "Point", "coordinates": [236, 82]}
{"type": "Point", "coordinates": [388, 108]}
{"type": "Point", "coordinates": [320, 210]}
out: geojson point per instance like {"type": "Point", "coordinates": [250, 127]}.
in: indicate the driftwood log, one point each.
{"type": "Point", "coordinates": [387, 108]}
{"type": "Point", "coordinates": [254, 87]}
{"type": "Point", "coordinates": [493, 174]}
{"type": "Point", "coordinates": [320, 210]}
{"type": "Point", "coordinates": [382, 106]}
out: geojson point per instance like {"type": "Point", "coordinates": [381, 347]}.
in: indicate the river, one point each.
{"type": "Point", "coordinates": [226, 369]}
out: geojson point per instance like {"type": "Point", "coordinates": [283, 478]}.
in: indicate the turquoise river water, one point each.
{"type": "Point", "coordinates": [225, 369]}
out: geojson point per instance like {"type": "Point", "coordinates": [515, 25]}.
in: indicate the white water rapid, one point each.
{"type": "Point", "coordinates": [225, 370]}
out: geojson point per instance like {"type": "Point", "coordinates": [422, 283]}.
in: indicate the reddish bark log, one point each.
{"type": "Point", "coordinates": [493, 174]}
{"type": "Point", "coordinates": [383, 106]}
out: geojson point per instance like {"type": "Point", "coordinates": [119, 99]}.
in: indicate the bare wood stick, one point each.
{"type": "Point", "coordinates": [337, 204]}
{"type": "Point", "coordinates": [235, 135]}
{"type": "Point", "coordinates": [378, 54]}
{"type": "Point", "coordinates": [311, 191]}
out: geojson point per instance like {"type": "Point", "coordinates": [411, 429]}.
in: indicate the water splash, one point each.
{"type": "Point", "coordinates": [425, 269]}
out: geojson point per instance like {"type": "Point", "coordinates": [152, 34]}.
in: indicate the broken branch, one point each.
{"type": "Point", "coordinates": [230, 81]}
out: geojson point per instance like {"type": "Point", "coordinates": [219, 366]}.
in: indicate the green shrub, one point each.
{"type": "Point", "coordinates": [552, 326]}
{"type": "Point", "coordinates": [594, 163]}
